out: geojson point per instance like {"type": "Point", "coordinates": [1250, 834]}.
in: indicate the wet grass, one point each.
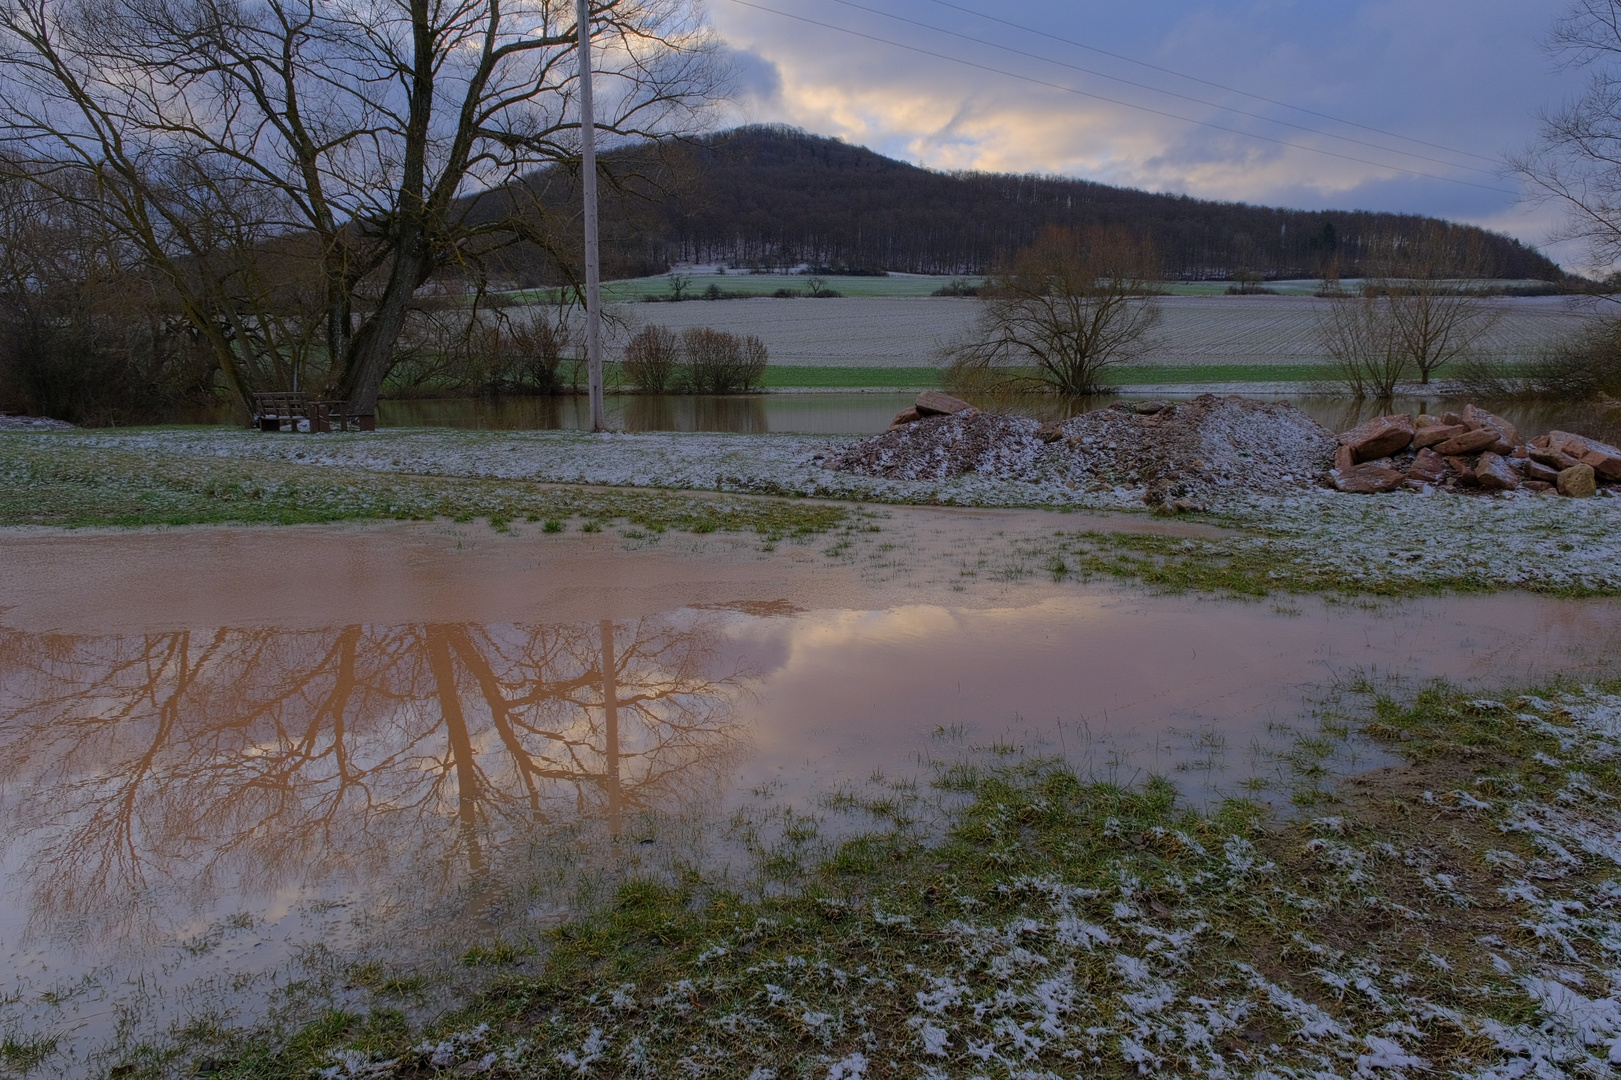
{"type": "Point", "coordinates": [1253, 566]}
{"type": "Point", "coordinates": [70, 486]}
{"type": "Point", "coordinates": [1449, 915]}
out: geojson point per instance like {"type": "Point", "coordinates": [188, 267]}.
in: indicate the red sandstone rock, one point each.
{"type": "Point", "coordinates": [1495, 473]}
{"type": "Point", "coordinates": [1465, 470]}
{"type": "Point", "coordinates": [1368, 479]}
{"type": "Point", "coordinates": [1604, 458]}
{"type": "Point", "coordinates": [1379, 437]}
{"type": "Point", "coordinates": [934, 403]}
{"type": "Point", "coordinates": [1536, 470]}
{"type": "Point", "coordinates": [1470, 442]}
{"type": "Point", "coordinates": [1438, 433]}
{"type": "Point", "coordinates": [1429, 467]}
{"type": "Point", "coordinates": [1475, 417]}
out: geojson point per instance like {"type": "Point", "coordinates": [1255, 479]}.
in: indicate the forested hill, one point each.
{"type": "Point", "coordinates": [775, 196]}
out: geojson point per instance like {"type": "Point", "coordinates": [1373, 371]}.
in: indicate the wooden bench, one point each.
{"type": "Point", "coordinates": [272, 409]}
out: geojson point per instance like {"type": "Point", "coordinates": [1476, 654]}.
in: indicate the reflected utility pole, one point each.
{"type": "Point", "coordinates": [593, 268]}
{"type": "Point", "coordinates": [610, 715]}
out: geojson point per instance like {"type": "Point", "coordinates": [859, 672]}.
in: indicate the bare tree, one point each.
{"type": "Point", "coordinates": [1420, 310]}
{"type": "Point", "coordinates": [1431, 295]}
{"type": "Point", "coordinates": [1576, 161]}
{"type": "Point", "coordinates": [1361, 341]}
{"type": "Point", "coordinates": [1071, 305]}
{"type": "Point", "coordinates": [343, 137]}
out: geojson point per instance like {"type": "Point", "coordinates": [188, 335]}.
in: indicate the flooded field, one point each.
{"type": "Point", "coordinates": [835, 413]}
{"type": "Point", "coordinates": [319, 746]}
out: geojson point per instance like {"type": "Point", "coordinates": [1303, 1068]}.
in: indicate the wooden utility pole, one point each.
{"type": "Point", "coordinates": [593, 263]}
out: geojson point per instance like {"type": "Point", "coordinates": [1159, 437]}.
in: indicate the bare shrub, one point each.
{"type": "Point", "coordinates": [1582, 368]}
{"type": "Point", "coordinates": [85, 336]}
{"type": "Point", "coordinates": [652, 358]}
{"type": "Point", "coordinates": [1362, 342]}
{"type": "Point", "coordinates": [457, 350]}
{"type": "Point", "coordinates": [716, 362]}
{"type": "Point", "coordinates": [1070, 306]}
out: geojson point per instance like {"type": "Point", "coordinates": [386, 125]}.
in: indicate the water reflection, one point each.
{"type": "Point", "coordinates": [149, 778]}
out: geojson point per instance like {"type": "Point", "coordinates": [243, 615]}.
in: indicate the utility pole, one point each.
{"type": "Point", "coordinates": [593, 265]}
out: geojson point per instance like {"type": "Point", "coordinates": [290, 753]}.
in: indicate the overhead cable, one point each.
{"type": "Point", "coordinates": [1169, 93]}
{"type": "Point", "coordinates": [1113, 101]}
{"type": "Point", "coordinates": [1219, 86]}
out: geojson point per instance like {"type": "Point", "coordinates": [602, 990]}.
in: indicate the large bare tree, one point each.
{"type": "Point", "coordinates": [1067, 308]}
{"type": "Point", "coordinates": [300, 169]}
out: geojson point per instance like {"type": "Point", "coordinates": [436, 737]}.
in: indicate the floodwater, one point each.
{"type": "Point", "coordinates": [856, 413]}
{"type": "Point", "coordinates": [401, 741]}
{"type": "Point", "coordinates": [835, 413]}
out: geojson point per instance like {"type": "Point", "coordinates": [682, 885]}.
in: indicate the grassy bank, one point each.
{"type": "Point", "coordinates": [42, 483]}
{"type": "Point", "coordinates": [1450, 916]}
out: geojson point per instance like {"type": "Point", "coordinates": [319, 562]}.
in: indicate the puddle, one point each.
{"type": "Point", "coordinates": [200, 799]}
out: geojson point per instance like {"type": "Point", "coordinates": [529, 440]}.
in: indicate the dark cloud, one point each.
{"type": "Point", "coordinates": [756, 81]}
{"type": "Point", "coordinates": [1467, 74]}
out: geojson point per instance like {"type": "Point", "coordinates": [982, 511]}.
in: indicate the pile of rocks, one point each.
{"type": "Point", "coordinates": [1471, 450]}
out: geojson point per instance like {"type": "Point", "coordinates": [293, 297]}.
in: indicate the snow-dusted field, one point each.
{"type": "Point", "coordinates": [884, 332]}
{"type": "Point", "coordinates": [1512, 540]}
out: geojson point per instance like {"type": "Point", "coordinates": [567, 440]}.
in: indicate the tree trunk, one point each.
{"type": "Point", "coordinates": [371, 351]}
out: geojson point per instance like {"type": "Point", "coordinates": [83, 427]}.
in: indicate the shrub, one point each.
{"type": "Point", "coordinates": [1585, 367]}
{"type": "Point", "coordinates": [652, 358]}
{"type": "Point", "coordinates": [716, 362]}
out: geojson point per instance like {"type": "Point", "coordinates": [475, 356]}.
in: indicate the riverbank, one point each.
{"type": "Point", "coordinates": [1310, 539]}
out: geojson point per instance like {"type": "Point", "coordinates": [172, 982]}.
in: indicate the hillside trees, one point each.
{"type": "Point", "coordinates": [1066, 308]}
{"type": "Point", "coordinates": [297, 170]}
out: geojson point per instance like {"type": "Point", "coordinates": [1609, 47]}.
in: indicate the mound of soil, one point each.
{"type": "Point", "coordinates": [31, 423]}
{"type": "Point", "coordinates": [1172, 451]}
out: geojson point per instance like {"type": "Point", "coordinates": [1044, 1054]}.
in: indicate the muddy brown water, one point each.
{"type": "Point", "coordinates": [867, 413]}
{"type": "Point", "coordinates": [227, 751]}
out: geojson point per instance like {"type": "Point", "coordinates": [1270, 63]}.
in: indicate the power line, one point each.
{"type": "Point", "coordinates": [1216, 85]}
{"type": "Point", "coordinates": [1114, 101]}
{"type": "Point", "coordinates": [1172, 93]}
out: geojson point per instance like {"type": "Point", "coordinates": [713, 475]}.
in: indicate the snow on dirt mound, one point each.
{"type": "Point", "coordinates": [32, 423]}
{"type": "Point", "coordinates": [1189, 449]}
{"type": "Point", "coordinates": [1004, 447]}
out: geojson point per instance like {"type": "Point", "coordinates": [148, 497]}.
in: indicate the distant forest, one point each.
{"type": "Point", "coordinates": [769, 196]}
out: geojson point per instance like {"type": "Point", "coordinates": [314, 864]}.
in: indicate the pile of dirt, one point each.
{"type": "Point", "coordinates": [1176, 453]}
{"type": "Point", "coordinates": [31, 423]}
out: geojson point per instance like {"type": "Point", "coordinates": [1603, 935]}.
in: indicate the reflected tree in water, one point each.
{"type": "Point", "coordinates": [143, 772]}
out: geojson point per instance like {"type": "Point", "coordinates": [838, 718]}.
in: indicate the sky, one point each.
{"type": "Point", "coordinates": [1466, 79]}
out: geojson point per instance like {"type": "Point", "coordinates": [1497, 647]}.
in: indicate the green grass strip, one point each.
{"type": "Point", "coordinates": [786, 376]}
{"type": "Point", "coordinates": [70, 486]}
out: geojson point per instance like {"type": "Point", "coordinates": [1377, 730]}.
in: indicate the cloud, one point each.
{"type": "Point", "coordinates": [756, 81]}
{"type": "Point", "coordinates": [1465, 74]}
